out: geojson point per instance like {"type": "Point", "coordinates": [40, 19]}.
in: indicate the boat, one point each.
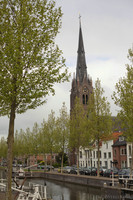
{"type": "Point", "coordinates": [31, 192]}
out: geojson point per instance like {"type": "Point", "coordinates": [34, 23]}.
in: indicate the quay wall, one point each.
{"type": "Point", "coordinates": [76, 179]}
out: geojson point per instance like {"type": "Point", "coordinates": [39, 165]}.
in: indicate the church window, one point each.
{"type": "Point", "coordinates": [86, 99]}
{"type": "Point", "coordinates": [83, 99]}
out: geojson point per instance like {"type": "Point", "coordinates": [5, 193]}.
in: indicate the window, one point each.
{"type": "Point", "coordinates": [106, 145]}
{"type": "Point", "coordinates": [109, 154]}
{"type": "Point", "coordinates": [86, 154]}
{"type": "Point", "coordinates": [93, 154]}
{"type": "Point", "coordinates": [123, 151]}
{"type": "Point", "coordinates": [83, 99]}
{"type": "Point", "coordinates": [121, 138]}
{"type": "Point", "coordinates": [89, 154]}
{"type": "Point", "coordinates": [86, 99]}
{"type": "Point", "coordinates": [130, 150]}
{"type": "Point", "coordinates": [106, 164]}
{"type": "Point", "coordinates": [123, 164]}
{"type": "Point", "coordinates": [104, 155]}
{"type": "Point", "coordinates": [80, 154]}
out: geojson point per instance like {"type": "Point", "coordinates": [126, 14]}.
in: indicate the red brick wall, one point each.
{"type": "Point", "coordinates": [117, 156]}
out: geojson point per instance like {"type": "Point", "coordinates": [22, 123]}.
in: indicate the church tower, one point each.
{"type": "Point", "coordinates": [81, 83]}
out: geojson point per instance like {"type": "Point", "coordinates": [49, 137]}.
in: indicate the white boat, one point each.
{"type": "Point", "coordinates": [32, 192]}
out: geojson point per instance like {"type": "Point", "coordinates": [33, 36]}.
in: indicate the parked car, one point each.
{"type": "Point", "coordinates": [40, 166]}
{"type": "Point", "coordinates": [93, 171]}
{"type": "Point", "coordinates": [65, 169]}
{"type": "Point", "coordinates": [46, 167]}
{"type": "Point", "coordinates": [74, 170]}
{"type": "Point", "coordinates": [102, 170]}
{"type": "Point", "coordinates": [87, 170]}
{"type": "Point", "coordinates": [124, 173]}
{"type": "Point", "coordinates": [111, 172]}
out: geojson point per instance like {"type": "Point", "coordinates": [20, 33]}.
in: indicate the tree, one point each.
{"type": "Point", "coordinates": [18, 146]}
{"type": "Point", "coordinates": [3, 148]}
{"type": "Point", "coordinates": [78, 130]}
{"type": "Point", "coordinates": [59, 158]}
{"type": "Point", "coordinates": [99, 117]}
{"type": "Point", "coordinates": [30, 62]}
{"type": "Point", "coordinates": [63, 131]}
{"type": "Point", "coordinates": [50, 135]}
{"type": "Point", "coordinates": [123, 97]}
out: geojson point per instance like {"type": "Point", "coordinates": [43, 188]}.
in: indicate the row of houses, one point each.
{"type": "Point", "coordinates": [115, 152]}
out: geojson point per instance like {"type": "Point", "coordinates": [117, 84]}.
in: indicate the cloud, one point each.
{"type": "Point", "coordinates": [107, 35]}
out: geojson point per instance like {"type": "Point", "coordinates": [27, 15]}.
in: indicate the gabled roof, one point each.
{"type": "Point", "coordinates": [114, 136]}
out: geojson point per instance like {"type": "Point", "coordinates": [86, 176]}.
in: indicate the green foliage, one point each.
{"type": "Point", "coordinates": [59, 158]}
{"type": "Point", "coordinates": [19, 144]}
{"type": "Point", "coordinates": [50, 134]}
{"type": "Point", "coordinates": [3, 148]}
{"type": "Point", "coordinates": [78, 126]}
{"type": "Point", "coordinates": [63, 128]}
{"type": "Point", "coordinates": [99, 116]}
{"type": "Point", "coordinates": [123, 97]}
{"type": "Point", "coordinates": [30, 61]}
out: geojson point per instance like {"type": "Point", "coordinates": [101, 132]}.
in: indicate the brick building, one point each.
{"type": "Point", "coordinates": [120, 152]}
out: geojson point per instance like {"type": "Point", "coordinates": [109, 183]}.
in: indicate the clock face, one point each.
{"type": "Point", "coordinates": [85, 89]}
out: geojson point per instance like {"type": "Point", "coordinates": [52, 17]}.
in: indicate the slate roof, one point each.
{"type": "Point", "coordinates": [81, 69]}
{"type": "Point", "coordinates": [119, 143]}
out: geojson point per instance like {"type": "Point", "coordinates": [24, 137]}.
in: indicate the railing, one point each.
{"type": "Point", "coordinates": [126, 181]}
{"type": "Point", "coordinates": [3, 184]}
{"type": "Point", "coordinates": [32, 191]}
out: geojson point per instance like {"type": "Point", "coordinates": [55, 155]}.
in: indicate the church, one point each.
{"type": "Point", "coordinates": [81, 83]}
{"type": "Point", "coordinates": [82, 88]}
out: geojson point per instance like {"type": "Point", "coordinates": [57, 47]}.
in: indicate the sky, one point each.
{"type": "Point", "coordinates": [107, 28]}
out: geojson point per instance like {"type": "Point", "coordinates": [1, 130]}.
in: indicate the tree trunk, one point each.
{"type": "Point", "coordinates": [10, 141]}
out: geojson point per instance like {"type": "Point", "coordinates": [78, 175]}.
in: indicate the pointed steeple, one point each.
{"type": "Point", "coordinates": [81, 70]}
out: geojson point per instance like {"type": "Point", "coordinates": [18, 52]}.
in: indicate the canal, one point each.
{"type": "Point", "coordinates": [64, 191]}
{"type": "Point", "coordinates": [58, 190]}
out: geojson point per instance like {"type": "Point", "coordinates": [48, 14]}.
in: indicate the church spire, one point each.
{"type": "Point", "coordinates": [81, 70]}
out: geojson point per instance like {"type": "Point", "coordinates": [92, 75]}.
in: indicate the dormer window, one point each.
{"type": "Point", "coordinates": [121, 138]}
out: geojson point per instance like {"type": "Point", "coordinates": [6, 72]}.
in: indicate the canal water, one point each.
{"type": "Point", "coordinates": [65, 191]}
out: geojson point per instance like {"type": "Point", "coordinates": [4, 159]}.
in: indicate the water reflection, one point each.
{"type": "Point", "coordinates": [64, 191]}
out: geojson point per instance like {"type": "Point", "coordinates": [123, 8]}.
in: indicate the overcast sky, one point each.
{"type": "Point", "coordinates": [107, 27]}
